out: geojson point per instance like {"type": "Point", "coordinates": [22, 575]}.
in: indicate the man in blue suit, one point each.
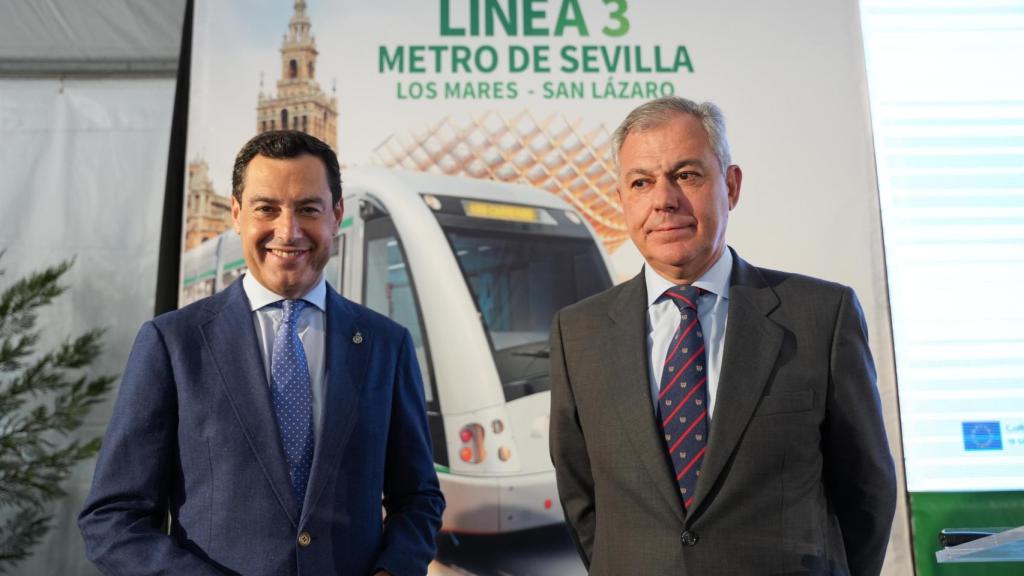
{"type": "Point", "coordinates": [268, 423]}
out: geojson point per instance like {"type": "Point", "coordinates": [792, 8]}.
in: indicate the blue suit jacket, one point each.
{"type": "Point", "coordinates": [193, 433]}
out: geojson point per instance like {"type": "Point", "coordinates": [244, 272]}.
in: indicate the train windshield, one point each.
{"type": "Point", "coordinates": [519, 279]}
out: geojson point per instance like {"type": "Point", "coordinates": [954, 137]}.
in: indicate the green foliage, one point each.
{"type": "Point", "coordinates": [43, 399]}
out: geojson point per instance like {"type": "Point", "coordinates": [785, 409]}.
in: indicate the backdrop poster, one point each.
{"type": "Point", "coordinates": [474, 137]}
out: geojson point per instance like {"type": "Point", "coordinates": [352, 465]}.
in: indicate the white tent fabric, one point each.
{"type": "Point", "coordinates": [84, 162]}
{"type": "Point", "coordinates": [71, 36]}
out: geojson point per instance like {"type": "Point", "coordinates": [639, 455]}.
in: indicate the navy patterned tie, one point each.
{"type": "Point", "coordinates": [683, 398]}
{"type": "Point", "coordinates": [292, 397]}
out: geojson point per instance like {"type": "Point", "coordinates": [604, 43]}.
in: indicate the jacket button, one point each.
{"type": "Point", "coordinates": [305, 539]}
{"type": "Point", "coordinates": [689, 538]}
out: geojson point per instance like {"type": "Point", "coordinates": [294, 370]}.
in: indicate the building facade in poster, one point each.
{"type": "Point", "coordinates": [209, 213]}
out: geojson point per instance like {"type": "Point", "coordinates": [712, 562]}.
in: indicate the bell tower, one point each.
{"type": "Point", "coordinates": [299, 103]}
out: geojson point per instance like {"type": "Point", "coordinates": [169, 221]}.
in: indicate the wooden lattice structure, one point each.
{"type": "Point", "coordinates": [552, 153]}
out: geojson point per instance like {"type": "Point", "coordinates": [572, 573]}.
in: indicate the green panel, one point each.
{"type": "Point", "coordinates": [933, 511]}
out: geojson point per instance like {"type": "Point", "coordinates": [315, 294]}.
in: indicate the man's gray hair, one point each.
{"type": "Point", "coordinates": [658, 112]}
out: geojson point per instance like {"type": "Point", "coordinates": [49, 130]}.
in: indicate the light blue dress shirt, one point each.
{"type": "Point", "coordinates": [663, 319]}
{"type": "Point", "coordinates": [311, 327]}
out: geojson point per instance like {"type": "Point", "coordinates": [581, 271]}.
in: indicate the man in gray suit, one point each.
{"type": "Point", "coordinates": [709, 416]}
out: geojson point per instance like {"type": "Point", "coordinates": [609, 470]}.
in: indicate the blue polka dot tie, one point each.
{"type": "Point", "coordinates": [683, 398]}
{"type": "Point", "coordinates": [292, 397]}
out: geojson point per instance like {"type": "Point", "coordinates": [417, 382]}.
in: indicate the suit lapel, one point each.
{"type": "Point", "coordinates": [752, 345]}
{"type": "Point", "coordinates": [630, 390]}
{"type": "Point", "coordinates": [348, 345]}
{"type": "Point", "coordinates": [231, 340]}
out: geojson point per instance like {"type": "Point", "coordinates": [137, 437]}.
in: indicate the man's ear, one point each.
{"type": "Point", "coordinates": [339, 211]}
{"type": "Point", "coordinates": [733, 179]}
{"type": "Point", "coordinates": [236, 208]}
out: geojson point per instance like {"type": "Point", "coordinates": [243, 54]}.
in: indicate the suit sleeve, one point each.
{"type": "Point", "coordinates": [412, 496]}
{"type": "Point", "coordinates": [569, 452]}
{"type": "Point", "coordinates": [859, 468]}
{"type": "Point", "coordinates": [122, 521]}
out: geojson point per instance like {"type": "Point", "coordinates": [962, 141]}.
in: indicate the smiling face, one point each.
{"type": "Point", "coordinates": [675, 198]}
{"type": "Point", "coordinates": [286, 221]}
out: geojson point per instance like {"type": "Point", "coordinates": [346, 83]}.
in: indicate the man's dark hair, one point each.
{"type": "Point", "coordinates": [283, 144]}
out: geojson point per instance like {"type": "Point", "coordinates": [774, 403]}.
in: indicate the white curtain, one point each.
{"type": "Point", "coordinates": [83, 164]}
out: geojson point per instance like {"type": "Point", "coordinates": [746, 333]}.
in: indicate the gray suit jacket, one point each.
{"type": "Point", "coordinates": [797, 477]}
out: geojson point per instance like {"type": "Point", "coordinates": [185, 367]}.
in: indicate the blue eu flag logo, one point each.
{"type": "Point", "coordinates": [982, 436]}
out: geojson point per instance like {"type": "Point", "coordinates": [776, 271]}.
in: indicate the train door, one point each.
{"type": "Point", "coordinates": [349, 252]}
{"type": "Point", "coordinates": [389, 288]}
{"type": "Point", "coordinates": [199, 272]}
{"type": "Point", "coordinates": [231, 262]}
{"type": "Point", "coordinates": [334, 270]}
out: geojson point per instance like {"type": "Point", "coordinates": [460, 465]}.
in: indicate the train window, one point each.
{"type": "Point", "coordinates": [388, 289]}
{"type": "Point", "coordinates": [519, 280]}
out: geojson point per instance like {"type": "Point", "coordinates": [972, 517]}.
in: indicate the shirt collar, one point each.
{"type": "Point", "coordinates": [260, 296]}
{"type": "Point", "coordinates": [715, 280]}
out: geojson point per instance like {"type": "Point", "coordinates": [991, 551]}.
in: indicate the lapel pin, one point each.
{"type": "Point", "coordinates": [357, 338]}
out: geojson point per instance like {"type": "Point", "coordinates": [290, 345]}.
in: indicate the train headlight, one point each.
{"type": "Point", "coordinates": [432, 201]}
{"type": "Point", "coordinates": [472, 437]}
{"type": "Point", "coordinates": [504, 453]}
{"type": "Point", "coordinates": [497, 426]}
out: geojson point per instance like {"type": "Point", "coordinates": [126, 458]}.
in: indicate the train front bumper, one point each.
{"type": "Point", "coordinates": [494, 505]}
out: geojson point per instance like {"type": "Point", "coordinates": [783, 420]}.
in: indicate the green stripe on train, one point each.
{"type": "Point", "coordinates": [234, 264]}
{"type": "Point", "coordinates": [347, 222]}
{"type": "Point", "coordinates": [200, 277]}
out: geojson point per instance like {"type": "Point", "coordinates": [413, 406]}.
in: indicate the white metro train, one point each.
{"type": "Point", "coordinates": [476, 270]}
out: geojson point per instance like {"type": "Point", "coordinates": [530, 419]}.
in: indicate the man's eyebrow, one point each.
{"type": "Point", "coordinates": [263, 199]}
{"type": "Point", "coordinates": [685, 162]}
{"type": "Point", "coordinates": [639, 172]}
{"type": "Point", "coordinates": [300, 202]}
{"type": "Point", "coordinates": [696, 162]}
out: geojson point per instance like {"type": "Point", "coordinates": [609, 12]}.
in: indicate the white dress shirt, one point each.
{"type": "Point", "coordinates": [311, 326]}
{"type": "Point", "coordinates": [663, 319]}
